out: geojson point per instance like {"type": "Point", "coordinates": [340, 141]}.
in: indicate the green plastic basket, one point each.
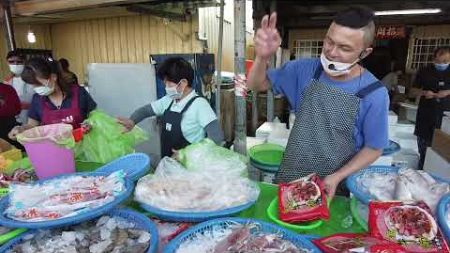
{"type": "Point", "coordinates": [267, 154]}
{"type": "Point", "coordinates": [272, 212]}
{"type": "Point", "coordinates": [11, 234]}
{"type": "Point", "coordinates": [355, 214]}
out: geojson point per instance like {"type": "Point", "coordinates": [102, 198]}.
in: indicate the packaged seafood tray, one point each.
{"type": "Point", "coordinates": [120, 230]}
{"type": "Point", "coordinates": [347, 243]}
{"type": "Point", "coordinates": [302, 200]}
{"type": "Point", "coordinates": [239, 235]}
{"type": "Point", "coordinates": [409, 224]}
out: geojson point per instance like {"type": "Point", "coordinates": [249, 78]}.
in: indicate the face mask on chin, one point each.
{"type": "Point", "coordinates": [334, 68]}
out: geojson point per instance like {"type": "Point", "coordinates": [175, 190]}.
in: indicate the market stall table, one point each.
{"type": "Point", "coordinates": [341, 220]}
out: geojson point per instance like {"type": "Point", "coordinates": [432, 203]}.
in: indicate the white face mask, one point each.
{"type": "Point", "coordinates": [334, 68]}
{"type": "Point", "coordinates": [16, 69]}
{"type": "Point", "coordinates": [173, 93]}
{"type": "Point", "coordinates": [45, 89]}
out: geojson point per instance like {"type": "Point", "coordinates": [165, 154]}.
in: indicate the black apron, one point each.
{"type": "Point", "coordinates": [171, 134]}
{"type": "Point", "coordinates": [321, 140]}
{"type": "Point", "coordinates": [430, 111]}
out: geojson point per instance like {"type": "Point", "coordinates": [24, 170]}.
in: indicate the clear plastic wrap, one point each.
{"type": "Point", "coordinates": [407, 185]}
{"type": "Point", "coordinates": [174, 188]}
{"type": "Point", "coordinates": [206, 155]}
{"type": "Point", "coordinates": [59, 198]}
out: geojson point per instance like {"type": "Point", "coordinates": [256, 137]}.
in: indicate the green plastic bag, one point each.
{"type": "Point", "coordinates": [106, 140]}
{"type": "Point", "coordinates": [206, 155]}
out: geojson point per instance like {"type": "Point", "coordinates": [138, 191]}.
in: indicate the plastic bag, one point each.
{"type": "Point", "coordinates": [173, 188]}
{"type": "Point", "coordinates": [106, 141]}
{"type": "Point", "coordinates": [411, 226]}
{"type": "Point", "coordinates": [346, 243]}
{"type": "Point", "coordinates": [206, 155]}
{"type": "Point", "coordinates": [60, 134]}
{"type": "Point", "coordinates": [302, 200]}
{"type": "Point", "coordinates": [65, 197]}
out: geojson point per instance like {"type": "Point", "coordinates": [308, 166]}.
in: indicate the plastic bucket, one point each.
{"type": "Point", "coordinates": [49, 159]}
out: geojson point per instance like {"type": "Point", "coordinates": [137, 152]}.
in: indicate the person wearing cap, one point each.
{"type": "Point", "coordinates": [341, 123]}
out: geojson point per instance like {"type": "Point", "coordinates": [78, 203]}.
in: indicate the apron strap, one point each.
{"type": "Point", "coordinates": [170, 106]}
{"type": "Point", "coordinates": [369, 89]}
{"type": "Point", "coordinates": [189, 104]}
{"type": "Point", "coordinates": [318, 72]}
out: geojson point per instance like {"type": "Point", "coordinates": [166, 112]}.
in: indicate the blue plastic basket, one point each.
{"type": "Point", "coordinates": [194, 217]}
{"type": "Point", "coordinates": [91, 214]}
{"type": "Point", "coordinates": [296, 239]}
{"type": "Point", "coordinates": [140, 220]}
{"type": "Point", "coordinates": [392, 148]}
{"type": "Point", "coordinates": [364, 196]}
{"type": "Point", "coordinates": [134, 165]}
{"type": "Point", "coordinates": [442, 211]}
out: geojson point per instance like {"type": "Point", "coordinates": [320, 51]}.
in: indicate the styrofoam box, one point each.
{"type": "Point", "coordinates": [268, 127]}
{"type": "Point", "coordinates": [392, 118]}
{"type": "Point", "coordinates": [445, 127]}
{"type": "Point", "coordinates": [436, 164]}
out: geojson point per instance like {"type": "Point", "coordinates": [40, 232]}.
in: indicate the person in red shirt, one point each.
{"type": "Point", "coordinates": [10, 107]}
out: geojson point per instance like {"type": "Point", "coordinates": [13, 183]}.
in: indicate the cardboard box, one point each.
{"type": "Point", "coordinates": [5, 146]}
{"type": "Point", "coordinates": [441, 144]}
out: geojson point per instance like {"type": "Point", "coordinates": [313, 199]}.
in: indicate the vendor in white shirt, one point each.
{"type": "Point", "coordinates": [16, 63]}
{"type": "Point", "coordinates": [186, 117]}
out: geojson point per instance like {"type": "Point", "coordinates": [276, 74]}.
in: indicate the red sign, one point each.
{"type": "Point", "coordinates": [391, 32]}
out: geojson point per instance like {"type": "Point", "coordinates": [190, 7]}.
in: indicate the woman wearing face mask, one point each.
{"type": "Point", "coordinates": [25, 92]}
{"type": "Point", "coordinates": [434, 80]}
{"type": "Point", "coordinates": [54, 101]}
{"type": "Point", "coordinates": [341, 123]}
{"type": "Point", "coordinates": [186, 117]}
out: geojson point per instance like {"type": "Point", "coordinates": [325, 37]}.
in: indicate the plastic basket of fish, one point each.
{"type": "Point", "coordinates": [392, 148]}
{"type": "Point", "coordinates": [386, 183]}
{"type": "Point", "coordinates": [239, 235]}
{"type": "Point", "coordinates": [443, 214]}
{"type": "Point", "coordinates": [120, 230]}
{"type": "Point", "coordinates": [63, 200]}
{"type": "Point", "coordinates": [174, 193]}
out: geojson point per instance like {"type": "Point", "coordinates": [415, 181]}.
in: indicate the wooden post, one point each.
{"type": "Point", "coordinates": [219, 61]}
{"type": "Point", "coordinates": [240, 137]}
{"type": "Point", "coordinates": [8, 24]}
{"type": "Point", "coordinates": [270, 98]}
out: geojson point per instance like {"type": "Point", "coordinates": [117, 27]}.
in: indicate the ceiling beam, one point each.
{"type": "Point", "coordinates": [34, 7]}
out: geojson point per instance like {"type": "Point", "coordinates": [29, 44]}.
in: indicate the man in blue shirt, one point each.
{"type": "Point", "coordinates": [341, 109]}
